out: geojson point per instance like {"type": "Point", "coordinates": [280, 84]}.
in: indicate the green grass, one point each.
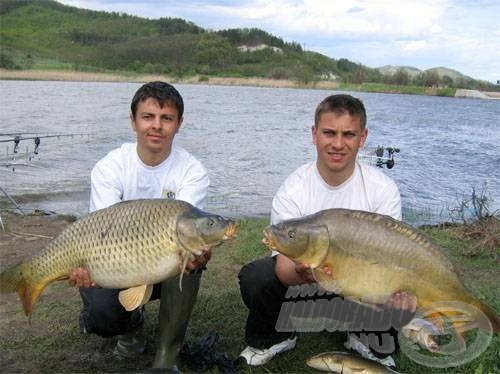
{"type": "Point", "coordinates": [393, 88]}
{"type": "Point", "coordinates": [53, 344]}
{"type": "Point", "coordinates": [56, 36]}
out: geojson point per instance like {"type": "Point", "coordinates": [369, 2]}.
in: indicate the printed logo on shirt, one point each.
{"type": "Point", "coordinates": [167, 194]}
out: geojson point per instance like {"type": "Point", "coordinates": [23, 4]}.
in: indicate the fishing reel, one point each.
{"type": "Point", "coordinates": [389, 160]}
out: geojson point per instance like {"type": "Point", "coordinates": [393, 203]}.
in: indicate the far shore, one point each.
{"type": "Point", "coordinates": [82, 76]}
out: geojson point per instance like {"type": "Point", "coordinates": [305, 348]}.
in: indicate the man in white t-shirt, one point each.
{"type": "Point", "coordinates": [153, 167]}
{"type": "Point", "coordinates": [334, 180]}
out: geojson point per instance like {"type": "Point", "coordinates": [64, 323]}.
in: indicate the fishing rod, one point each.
{"type": "Point", "coordinates": [37, 139]}
{"type": "Point", "coordinates": [12, 201]}
{"type": "Point", "coordinates": [20, 136]}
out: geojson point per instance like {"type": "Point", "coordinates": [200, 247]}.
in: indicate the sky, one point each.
{"type": "Point", "coordinates": [458, 34]}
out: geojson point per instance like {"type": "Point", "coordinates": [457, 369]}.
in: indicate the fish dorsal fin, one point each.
{"type": "Point", "coordinates": [135, 297]}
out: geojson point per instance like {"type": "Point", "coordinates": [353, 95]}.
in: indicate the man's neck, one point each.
{"type": "Point", "coordinates": [335, 179]}
{"type": "Point", "coordinates": [152, 159]}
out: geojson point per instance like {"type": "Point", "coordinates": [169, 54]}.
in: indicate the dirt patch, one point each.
{"type": "Point", "coordinates": [51, 343]}
{"type": "Point", "coordinates": [26, 235]}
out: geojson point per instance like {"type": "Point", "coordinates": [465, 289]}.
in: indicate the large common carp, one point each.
{"type": "Point", "coordinates": [370, 255]}
{"type": "Point", "coordinates": [130, 245]}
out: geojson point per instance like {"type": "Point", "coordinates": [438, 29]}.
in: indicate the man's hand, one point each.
{"type": "Point", "coordinates": [404, 300]}
{"type": "Point", "coordinates": [80, 277]}
{"type": "Point", "coordinates": [199, 262]}
{"type": "Point", "coordinates": [291, 273]}
{"type": "Point", "coordinates": [304, 272]}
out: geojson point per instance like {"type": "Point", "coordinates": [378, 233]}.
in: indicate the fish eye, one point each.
{"type": "Point", "coordinates": [211, 222]}
{"type": "Point", "coordinates": [291, 234]}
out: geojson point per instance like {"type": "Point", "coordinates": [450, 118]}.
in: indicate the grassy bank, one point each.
{"type": "Point", "coordinates": [52, 343]}
{"type": "Point", "coordinates": [60, 73]}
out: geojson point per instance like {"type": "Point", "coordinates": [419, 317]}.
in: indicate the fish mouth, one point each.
{"type": "Point", "coordinates": [231, 231]}
{"type": "Point", "coordinates": [269, 239]}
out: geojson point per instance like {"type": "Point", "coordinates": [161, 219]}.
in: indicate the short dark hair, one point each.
{"type": "Point", "coordinates": [341, 104]}
{"type": "Point", "coordinates": [163, 92]}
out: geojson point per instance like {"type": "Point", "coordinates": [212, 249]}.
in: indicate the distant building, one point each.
{"type": "Point", "coordinates": [246, 48]}
{"type": "Point", "coordinates": [329, 76]}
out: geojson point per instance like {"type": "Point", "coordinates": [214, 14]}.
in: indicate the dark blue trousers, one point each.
{"type": "Point", "coordinates": [103, 314]}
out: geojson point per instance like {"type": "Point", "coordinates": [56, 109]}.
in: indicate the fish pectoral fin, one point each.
{"type": "Point", "coordinates": [135, 297]}
{"type": "Point", "coordinates": [357, 369]}
{"type": "Point", "coordinates": [185, 260]}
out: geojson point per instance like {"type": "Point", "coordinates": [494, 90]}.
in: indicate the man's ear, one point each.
{"type": "Point", "coordinates": [132, 122]}
{"type": "Point", "coordinates": [314, 131]}
{"type": "Point", "coordinates": [179, 124]}
{"type": "Point", "coordinates": [364, 135]}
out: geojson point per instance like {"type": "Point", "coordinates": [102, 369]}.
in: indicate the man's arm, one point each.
{"type": "Point", "coordinates": [105, 188]}
{"type": "Point", "coordinates": [292, 274]}
{"type": "Point", "coordinates": [195, 186]}
{"type": "Point", "coordinates": [390, 202]}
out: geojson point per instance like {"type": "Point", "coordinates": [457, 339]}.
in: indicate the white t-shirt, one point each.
{"type": "Point", "coordinates": [305, 192]}
{"type": "Point", "coordinates": [121, 175]}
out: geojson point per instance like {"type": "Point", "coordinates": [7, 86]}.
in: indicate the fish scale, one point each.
{"type": "Point", "coordinates": [372, 255]}
{"type": "Point", "coordinates": [129, 244]}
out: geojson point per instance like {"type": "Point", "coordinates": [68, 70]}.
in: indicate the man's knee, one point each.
{"type": "Point", "coordinates": [103, 314]}
{"type": "Point", "coordinates": [256, 277]}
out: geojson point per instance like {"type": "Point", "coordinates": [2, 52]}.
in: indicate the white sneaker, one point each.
{"type": "Point", "coordinates": [256, 357]}
{"type": "Point", "coordinates": [355, 344]}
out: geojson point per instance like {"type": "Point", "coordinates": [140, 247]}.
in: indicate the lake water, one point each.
{"type": "Point", "coordinates": [249, 139]}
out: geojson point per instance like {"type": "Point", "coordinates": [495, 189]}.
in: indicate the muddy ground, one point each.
{"type": "Point", "coordinates": [51, 343]}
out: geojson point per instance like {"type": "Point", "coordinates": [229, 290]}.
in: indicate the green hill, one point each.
{"type": "Point", "coordinates": [392, 69]}
{"type": "Point", "coordinates": [414, 72]}
{"type": "Point", "coordinates": [453, 74]}
{"type": "Point", "coordinates": [44, 34]}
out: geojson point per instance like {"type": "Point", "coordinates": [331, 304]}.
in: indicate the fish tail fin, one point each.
{"type": "Point", "coordinates": [29, 293]}
{"type": "Point", "coordinates": [492, 316]}
{"type": "Point", "coordinates": [462, 321]}
{"type": "Point", "coordinates": [14, 279]}
{"type": "Point", "coordinates": [489, 312]}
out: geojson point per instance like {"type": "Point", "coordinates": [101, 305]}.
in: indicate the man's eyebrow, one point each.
{"type": "Point", "coordinates": [169, 115]}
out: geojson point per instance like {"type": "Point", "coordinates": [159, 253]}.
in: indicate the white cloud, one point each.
{"type": "Point", "coordinates": [415, 45]}
{"type": "Point", "coordinates": [458, 34]}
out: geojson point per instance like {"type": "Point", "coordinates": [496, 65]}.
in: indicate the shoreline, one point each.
{"type": "Point", "coordinates": [124, 77]}
{"type": "Point", "coordinates": [82, 76]}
